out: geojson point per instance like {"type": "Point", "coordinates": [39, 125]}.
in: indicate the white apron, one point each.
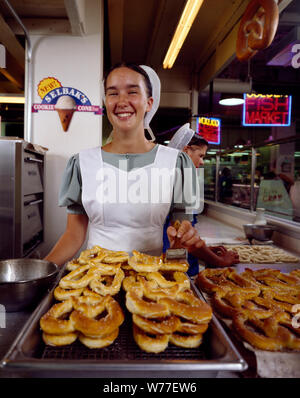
{"type": "Point", "coordinates": [127, 210]}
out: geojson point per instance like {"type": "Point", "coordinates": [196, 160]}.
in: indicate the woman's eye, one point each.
{"type": "Point", "coordinates": [132, 92]}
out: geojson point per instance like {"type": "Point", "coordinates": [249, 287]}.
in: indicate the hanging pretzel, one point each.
{"type": "Point", "coordinates": [257, 28]}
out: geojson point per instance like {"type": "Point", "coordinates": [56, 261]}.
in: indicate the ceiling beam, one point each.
{"type": "Point", "coordinates": [76, 14]}
{"type": "Point", "coordinates": [166, 19]}
{"type": "Point", "coordinates": [221, 58]}
{"type": "Point", "coordinates": [9, 87]}
{"type": "Point", "coordinates": [283, 4]}
{"type": "Point", "coordinates": [157, 24]}
{"type": "Point", "coordinates": [41, 26]}
{"type": "Point", "coordinates": [10, 42]}
{"type": "Point", "coordinates": [13, 72]}
{"type": "Point", "coordinates": [229, 19]}
{"type": "Point", "coordinates": [116, 24]}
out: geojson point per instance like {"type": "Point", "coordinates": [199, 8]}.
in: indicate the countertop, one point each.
{"type": "Point", "coordinates": [13, 322]}
{"type": "Point", "coordinates": [211, 230]}
{"type": "Point", "coordinates": [214, 231]}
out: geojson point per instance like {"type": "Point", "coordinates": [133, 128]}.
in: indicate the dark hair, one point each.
{"type": "Point", "coordinates": [260, 169]}
{"type": "Point", "coordinates": [135, 68]}
{"type": "Point", "coordinates": [226, 172]}
{"type": "Point", "coordinates": [198, 141]}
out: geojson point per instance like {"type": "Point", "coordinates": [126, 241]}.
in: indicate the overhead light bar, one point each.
{"type": "Point", "coordinates": [184, 25]}
{"type": "Point", "coordinates": [12, 99]}
{"type": "Point", "coordinates": [231, 101]}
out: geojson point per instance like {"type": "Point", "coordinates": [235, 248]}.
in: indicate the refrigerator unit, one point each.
{"type": "Point", "coordinates": [21, 198]}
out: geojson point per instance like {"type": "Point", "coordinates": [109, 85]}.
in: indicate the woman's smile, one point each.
{"type": "Point", "coordinates": [126, 99]}
{"type": "Point", "coordinates": [124, 116]}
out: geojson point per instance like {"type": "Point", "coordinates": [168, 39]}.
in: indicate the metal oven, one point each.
{"type": "Point", "coordinates": [21, 198]}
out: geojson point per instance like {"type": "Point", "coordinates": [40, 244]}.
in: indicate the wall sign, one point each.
{"type": "Point", "coordinates": [267, 110]}
{"type": "Point", "coordinates": [274, 197]}
{"type": "Point", "coordinates": [210, 129]}
{"type": "Point", "coordinates": [64, 100]}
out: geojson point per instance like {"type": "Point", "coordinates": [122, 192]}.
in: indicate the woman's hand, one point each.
{"type": "Point", "coordinates": [186, 236]}
{"type": "Point", "coordinates": [229, 258]}
{"type": "Point", "coordinates": [218, 250]}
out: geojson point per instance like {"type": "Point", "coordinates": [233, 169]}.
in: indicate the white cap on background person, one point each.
{"type": "Point", "coordinates": [182, 137]}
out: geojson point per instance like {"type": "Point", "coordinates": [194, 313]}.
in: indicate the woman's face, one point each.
{"type": "Point", "coordinates": [196, 153]}
{"type": "Point", "coordinates": [126, 99]}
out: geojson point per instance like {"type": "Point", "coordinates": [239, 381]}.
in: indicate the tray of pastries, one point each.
{"type": "Point", "coordinates": [112, 312]}
{"type": "Point", "coordinates": [262, 254]}
{"type": "Point", "coordinates": [261, 308]}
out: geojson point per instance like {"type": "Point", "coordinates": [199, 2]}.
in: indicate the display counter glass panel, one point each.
{"type": "Point", "coordinates": [234, 182]}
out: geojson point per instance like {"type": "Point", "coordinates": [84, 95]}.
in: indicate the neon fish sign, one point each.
{"type": "Point", "coordinates": [267, 110]}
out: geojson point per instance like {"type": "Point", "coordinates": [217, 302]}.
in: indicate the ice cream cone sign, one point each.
{"type": "Point", "coordinates": [64, 100]}
{"type": "Point", "coordinates": [65, 107]}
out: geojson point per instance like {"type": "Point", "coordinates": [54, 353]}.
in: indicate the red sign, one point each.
{"type": "Point", "coordinates": [209, 128]}
{"type": "Point", "coordinates": [267, 110]}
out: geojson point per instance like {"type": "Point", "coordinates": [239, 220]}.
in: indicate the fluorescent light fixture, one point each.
{"type": "Point", "coordinates": [12, 99]}
{"type": "Point", "coordinates": [184, 25]}
{"type": "Point", "coordinates": [239, 154]}
{"type": "Point", "coordinates": [231, 101]}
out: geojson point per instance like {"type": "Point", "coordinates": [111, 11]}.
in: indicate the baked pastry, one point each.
{"type": "Point", "coordinates": [260, 304]}
{"type": "Point", "coordinates": [163, 315]}
{"type": "Point", "coordinates": [262, 254]}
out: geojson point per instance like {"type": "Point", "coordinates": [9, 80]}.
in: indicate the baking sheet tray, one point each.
{"type": "Point", "coordinates": [265, 364]}
{"type": "Point", "coordinates": [287, 267]}
{"type": "Point", "coordinates": [123, 358]}
{"type": "Point", "coordinates": [283, 267]}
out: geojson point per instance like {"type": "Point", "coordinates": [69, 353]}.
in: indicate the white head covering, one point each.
{"type": "Point", "coordinates": [155, 82]}
{"type": "Point", "coordinates": [182, 137]}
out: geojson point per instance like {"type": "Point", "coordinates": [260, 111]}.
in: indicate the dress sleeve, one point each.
{"type": "Point", "coordinates": [187, 195]}
{"type": "Point", "coordinates": [70, 189]}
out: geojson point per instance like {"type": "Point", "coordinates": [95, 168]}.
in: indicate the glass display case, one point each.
{"type": "Point", "coordinates": [265, 176]}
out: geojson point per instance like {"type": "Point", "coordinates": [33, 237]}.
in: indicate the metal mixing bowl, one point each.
{"type": "Point", "coordinates": [23, 281]}
{"type": "Point", "coordinates": [258, 232]}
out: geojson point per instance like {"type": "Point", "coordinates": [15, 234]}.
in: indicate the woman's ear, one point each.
{"type": "Point", "coordinates": [149, 104]}
{"type": "Point", "coordinates": [188, 150]}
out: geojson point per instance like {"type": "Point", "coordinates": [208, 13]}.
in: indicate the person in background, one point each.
{"type": "Point", "coordinates": [225, 186]}
{"type": "Point", "coordinates": [288, 182]}
{"type": "Point", "coordinates": [214, 256]}
{"type": "Point", "coordinates": [196, 149]}
{"type": "Point", "coordinates": [259, 174]}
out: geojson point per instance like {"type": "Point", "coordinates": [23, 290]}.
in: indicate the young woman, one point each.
{"type": "Point", "coordinates": [115, 192]}
{"type": "Point", "coordinates": [196, 147]}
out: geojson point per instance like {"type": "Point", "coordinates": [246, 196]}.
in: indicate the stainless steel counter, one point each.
{"type": "Point", "coordinates": [209, 229]}
{"type": "Point", "coordinates": [214, 231]}
{"type": "Point", "coordinates": [14, 322]}
{"type": "Point", "coordinates": [25, 358]}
